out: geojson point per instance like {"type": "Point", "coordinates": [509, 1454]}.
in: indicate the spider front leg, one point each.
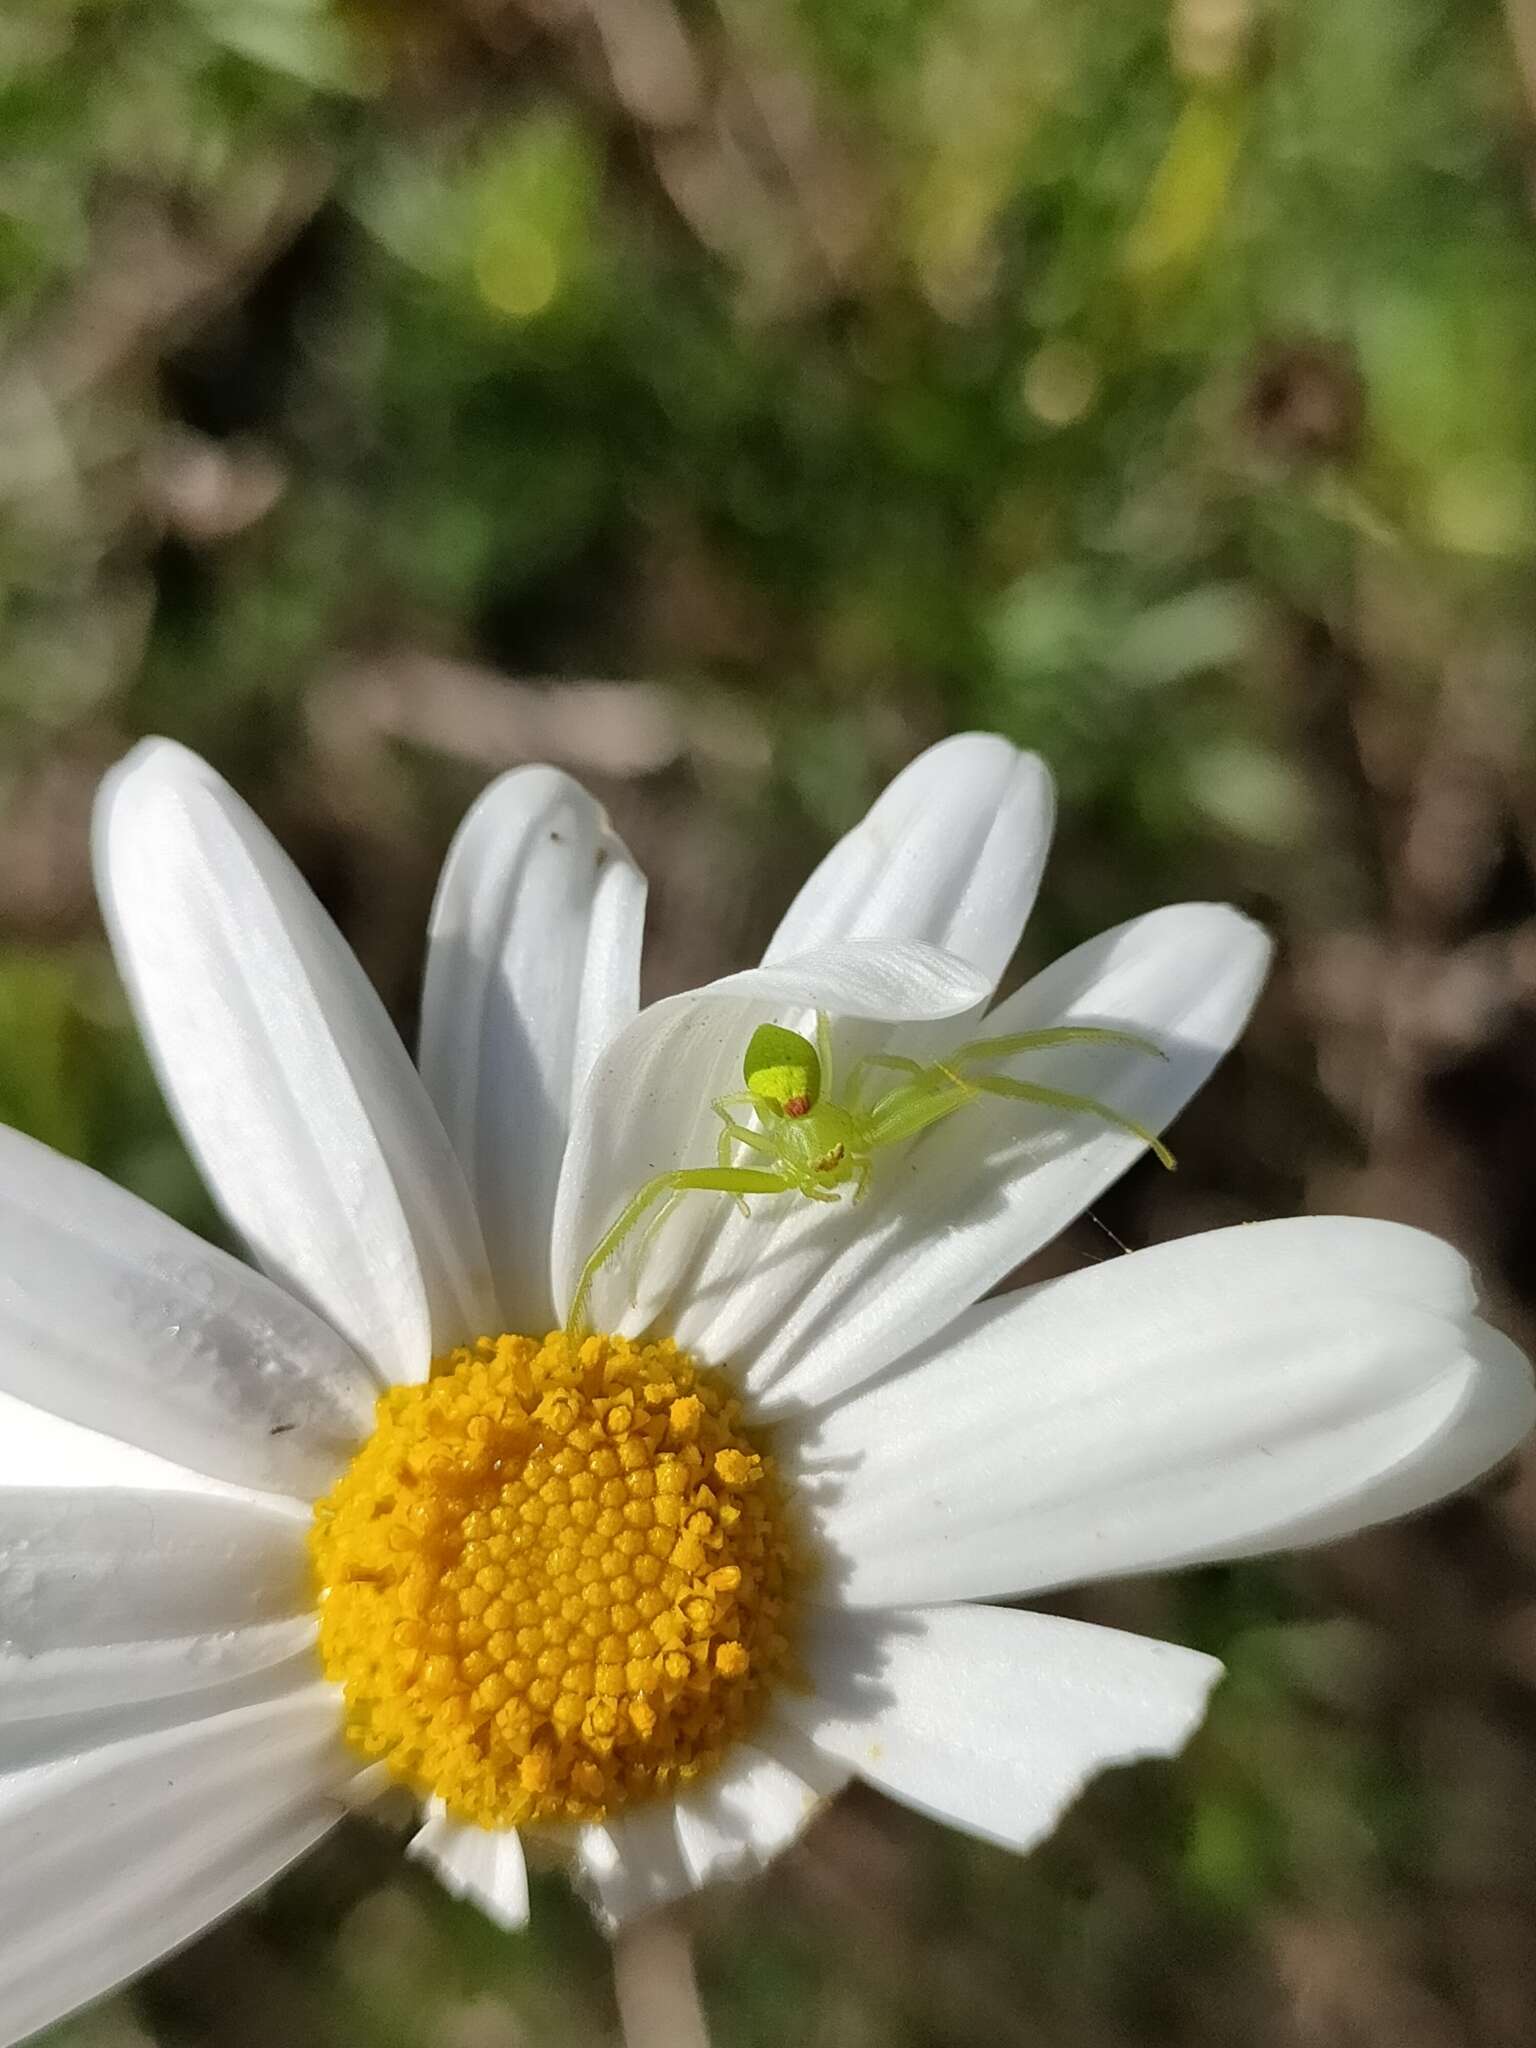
{"type": "Point", "coordinates": [1076, 1105]}
{"type": "Point", "coordinates": [717, 1180]}
{"type": "Point", "coordinates": [895, 1061]}
{"type": "Point", "coordinates": [1006, 1046]}
{"type": "Point", "coordinates": [736, 1133]}
{"type": "Point", "coordinates": [932, 1094]}
{"type": "Point", "coordinates": [647, 1237]}
{"type": "Point", "coordinates": [868, 1063]}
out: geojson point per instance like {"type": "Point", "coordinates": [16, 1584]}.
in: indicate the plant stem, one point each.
{"type": "Point", "coordinates": [654, 1982]}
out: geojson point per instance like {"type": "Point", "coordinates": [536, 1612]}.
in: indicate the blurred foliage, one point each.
{"type": "Point", "coordinates": [853, 370]}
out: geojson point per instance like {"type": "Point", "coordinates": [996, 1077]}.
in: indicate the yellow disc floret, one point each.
{"type": "Point", "coordinates": [553, 1581]}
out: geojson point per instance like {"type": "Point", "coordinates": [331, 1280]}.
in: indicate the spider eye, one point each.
{"type": "Point", "coordinates": [782, 1068]}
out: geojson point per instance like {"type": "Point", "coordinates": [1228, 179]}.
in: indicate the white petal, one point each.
{"type": "Point", "coordinates": [288, 1079]}
{"type": "Point", "coordinates": [647, 1107]}
{"type": "Point", "coordinates": [1241, 1391]}
{"type": "Point", "coordinates": [43, 1450]}
{"type": "Point", "coordinates": [951, 852]}
{"type": "Point", "coordinates": [738, 1818]}
{"type": "Point", "coordinates": [533, 965]}
{"type": "Point", "coordinates": [809, 1302]}
{"type": "Point", "coordinates": [484, 1865]}
{"type": "Point", "coordinates": [729, 1825]}
{"type": "Point", "coordinates": [111, 1859]}
{"type": "Point", "coordinates": [113, 1597]}
{"type": "Point", "coordinates": [107, 1723]}
{"type": "Point", "coordinates": [991, 1720]}
{"type": "Point", "coordinates": [632, 1864]}
{"type": "Point", "coordinates": [114, 1317]}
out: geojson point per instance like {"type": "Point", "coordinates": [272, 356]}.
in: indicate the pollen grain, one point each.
{"type": "Point", "coordinates": [554, 1580]}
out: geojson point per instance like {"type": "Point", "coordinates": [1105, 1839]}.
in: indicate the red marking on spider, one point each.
{"type": "Point", "coordinates": [798, 1105]}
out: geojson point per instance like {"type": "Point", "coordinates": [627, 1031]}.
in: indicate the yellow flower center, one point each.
{"type": "Point", "coordinates": [553, 1582]}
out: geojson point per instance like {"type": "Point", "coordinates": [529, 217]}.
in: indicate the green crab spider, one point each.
{"type": "Point", "coordinates": [813, 1145]}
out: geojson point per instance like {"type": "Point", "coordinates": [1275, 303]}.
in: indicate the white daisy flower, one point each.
{"type": "Point", "coordinates": [648, 1602]}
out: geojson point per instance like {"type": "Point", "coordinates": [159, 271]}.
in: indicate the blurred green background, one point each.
{"type": "Point", "coordinates": [724, 400]}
